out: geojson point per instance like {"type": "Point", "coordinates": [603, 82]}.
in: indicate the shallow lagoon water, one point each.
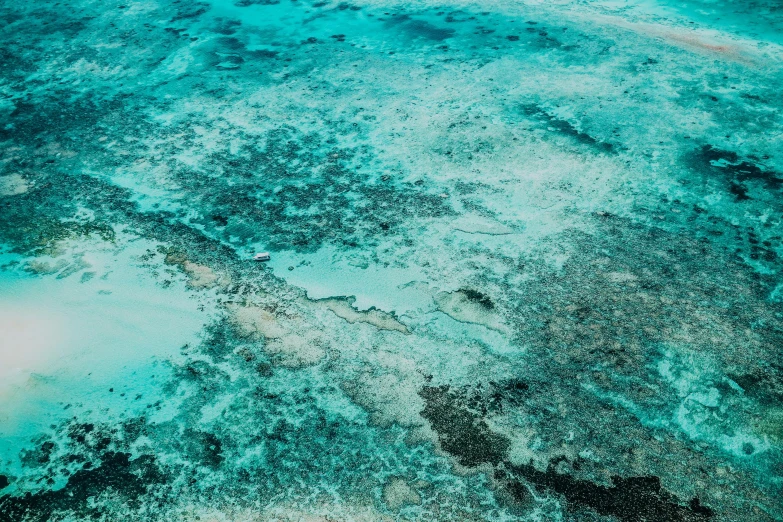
{"type": "Point", "coordinates": [525, 260]}
{"type": "Point", "coordinates": [90, 339]}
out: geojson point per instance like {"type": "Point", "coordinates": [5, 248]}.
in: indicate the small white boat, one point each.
{"type": "Point", "coordinates": [262, 256]}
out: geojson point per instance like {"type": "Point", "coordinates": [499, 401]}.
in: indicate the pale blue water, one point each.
{"type": "Point", "coordinates": [525, 260]}
{"type": "Point", "coordinates": [92, 342]}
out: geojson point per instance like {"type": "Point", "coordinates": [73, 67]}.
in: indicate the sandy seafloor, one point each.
{"type": "Point", "coordinates": [526, 260]}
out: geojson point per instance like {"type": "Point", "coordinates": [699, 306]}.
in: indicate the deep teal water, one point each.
{"type": "Point", "coordinates": [526, 260]}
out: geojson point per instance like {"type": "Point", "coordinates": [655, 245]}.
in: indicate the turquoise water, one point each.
{"type": "Point", "coordinates": [525, 260]}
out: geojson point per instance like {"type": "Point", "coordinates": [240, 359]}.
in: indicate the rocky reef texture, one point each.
{"type": "Point", "coordinates": [526, 260]}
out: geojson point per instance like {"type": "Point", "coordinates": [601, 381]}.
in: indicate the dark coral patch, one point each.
{"type": "Point", "coordinates": [566, 129]}
{"type": "Point", "coordinates": [465, 435]}
{"type": "Point", "coordinates": [203, 447]}
{"type": "Point", "coordinates": [765, 384]}
{"type": "Point", "coordinates": [478, 297]}
{"type": "Point", "coordinates": [460, 432]}
{"type": "Point", "coordinates": [248, 3]}
{"type": "Point", "coordinates": [191, 10]}
{"type": "Point", "coordinates": [421, 28]}
{"type": "Point", "coordinates": [129, 479]}
{"type": "Point", "coordinates": [632, 499]}
{"type": "Point", "coordinates": [734, 170]}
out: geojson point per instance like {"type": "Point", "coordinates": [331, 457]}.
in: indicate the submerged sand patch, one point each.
{"type": "Point", "coordinates": [471, 224]}
{"type": "Point", "coordinates": [13, 185]}
{"type": "Point", "coordinates": [199, 276]}
{"type": "Point", "coordinates": [29, 342]}
{"type": "Point", "coordinates": [462, 306]}
{"type": "Point", "coordinates": [287, 512]}
{"type": "Point", "coordinates": [295, 345]}
{"type": "Point", "coordinates": [343, 308]}
{"type": "Point", "coordinates": [397, 493]}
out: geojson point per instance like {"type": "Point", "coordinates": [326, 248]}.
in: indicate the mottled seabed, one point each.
{"type": "Point", "coordinates": [526, 260]}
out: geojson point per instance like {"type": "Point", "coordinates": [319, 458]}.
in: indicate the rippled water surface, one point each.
{"type": "Point", "coordinates": [525, 260]}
